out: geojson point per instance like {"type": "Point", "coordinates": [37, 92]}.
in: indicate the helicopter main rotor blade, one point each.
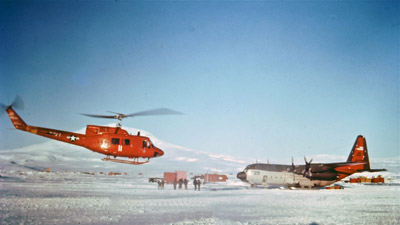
{"type": "Point", "coordinates": [116, 113]}
{"type": "Point", "coordinates": [154, 112]}
{"type": "Point", "coordinates": [99, 116]}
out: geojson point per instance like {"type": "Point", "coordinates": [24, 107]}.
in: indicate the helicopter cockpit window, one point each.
{"type": "Point", "coordinates": [146, 144]}
{"type": "Point", "coordinates": [127, 142]}
{"type": "Point", "coordinates": [115, 141]}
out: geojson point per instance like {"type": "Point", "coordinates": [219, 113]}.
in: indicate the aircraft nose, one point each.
{"type": "Point", "coordinates": [158, 152]}
{"type": "Point", "coordinates": [241, 176]}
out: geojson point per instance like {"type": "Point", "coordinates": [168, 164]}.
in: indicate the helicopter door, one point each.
{"type": "Point", "coordinates": [116, 141]}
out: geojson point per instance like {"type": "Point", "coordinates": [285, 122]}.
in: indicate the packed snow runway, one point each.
{"type": "Point", "coordinates": [75, 198]}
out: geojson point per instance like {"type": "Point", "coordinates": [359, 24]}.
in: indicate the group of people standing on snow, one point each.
{"type": "Point", "coordinates": [180, 183]}
{"type": "Point", "coordinates": [197, 184]}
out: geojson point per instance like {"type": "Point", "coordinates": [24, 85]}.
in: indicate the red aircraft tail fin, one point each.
{"type": "Point", "coordinates": [359, 152]}
{"type": "Point", "coordinates": [16, 119]}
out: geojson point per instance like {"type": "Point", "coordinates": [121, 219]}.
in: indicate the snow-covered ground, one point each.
{"type": "Point", "coordinates": [68, 196]}
{"type": "Point", "coordinates": [33, 197]}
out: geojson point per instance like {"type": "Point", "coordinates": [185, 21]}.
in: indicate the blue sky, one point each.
{"type": "Point", "coordinates": [263, 79]}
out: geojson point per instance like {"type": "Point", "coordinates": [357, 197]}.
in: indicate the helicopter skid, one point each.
{"type": "Point", "coordinates": [124, 161]}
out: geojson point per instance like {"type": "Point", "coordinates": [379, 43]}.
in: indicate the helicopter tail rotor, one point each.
{"type": "Point", "coordinates": [18, 103]}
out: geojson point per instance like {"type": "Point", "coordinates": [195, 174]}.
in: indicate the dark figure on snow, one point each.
{"type": "Point", "coordinates": [185, 182]}
{"type": "Point", "coordinates": [180, 183]}
{"type": "Point", "coordinates": [162, 184]}
{"type": "Point", "coordinates": [175, 182]}
{"type": "Point", "coordinates": [159, 184]}
{"type": "Point", "coordinates": [195, 184]}
{"type": "Point", "coordinates": [198, 185]}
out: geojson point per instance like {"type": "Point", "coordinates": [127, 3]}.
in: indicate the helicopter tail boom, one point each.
{"type": "Point", "coordinates": [16, 119]}
{"type": "Point", "coordinates": [59, 135]}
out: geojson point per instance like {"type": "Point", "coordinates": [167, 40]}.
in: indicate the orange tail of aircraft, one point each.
{"type": "Point", "coordinates": [359, 152]}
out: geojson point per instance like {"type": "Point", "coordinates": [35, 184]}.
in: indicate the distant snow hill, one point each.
{"type": "Point", "coordinates": [59, 156]}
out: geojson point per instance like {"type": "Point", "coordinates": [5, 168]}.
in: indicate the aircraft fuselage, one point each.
{"type": "Point", "coordinates": [310, 174]}
{"type": "Point", "coordinates": [275, 174]}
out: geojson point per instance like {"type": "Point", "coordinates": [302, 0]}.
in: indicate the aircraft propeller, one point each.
{"type": "Point", "coordinates": [293, 166]}
{"type": "Point", "coordinates": [18, 103]}
{"type": "Point", "coordinates": [307, 169]}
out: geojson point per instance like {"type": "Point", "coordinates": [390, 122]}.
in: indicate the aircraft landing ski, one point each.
{"type": "Point", "coordinates": [124, 161]}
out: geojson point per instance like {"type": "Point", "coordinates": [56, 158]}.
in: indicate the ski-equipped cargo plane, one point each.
{"type": "Point", "coordinates": [310, 174]}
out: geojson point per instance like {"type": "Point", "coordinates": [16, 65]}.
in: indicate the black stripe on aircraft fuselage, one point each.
{"type": "Point", "coordinates": [316, 167]}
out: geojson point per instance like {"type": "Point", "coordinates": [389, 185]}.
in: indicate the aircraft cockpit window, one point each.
{"type": "Point", "coordinates": [146, 144]}
{"type": "Point", "coordinates": [115, 141]}
{"type": "Point", "coordinates": [251, 167]}
{"type": "Point", "coordinates": [127, 142]}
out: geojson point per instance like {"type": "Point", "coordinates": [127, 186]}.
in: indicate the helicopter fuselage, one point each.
{"type": "Point", "coordinates": [110, 141]}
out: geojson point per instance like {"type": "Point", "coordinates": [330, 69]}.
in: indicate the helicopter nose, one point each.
{"type": "Point", "coordinates": [158, 152]}
{"type": "Point", "coordinates": [241, 176]}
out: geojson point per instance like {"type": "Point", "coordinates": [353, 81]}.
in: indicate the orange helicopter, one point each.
{"type": "Point", "coordinates": [110, 141]}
